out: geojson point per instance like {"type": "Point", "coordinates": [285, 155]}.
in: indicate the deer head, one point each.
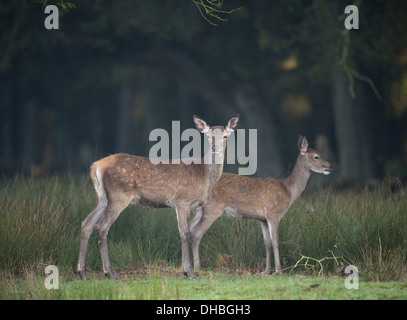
{"type": "Point", "coordinates": [217, 135]}
{"type": "Point", "coordinates": [312, 160]}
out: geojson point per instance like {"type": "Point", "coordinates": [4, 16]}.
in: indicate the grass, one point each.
{"type": "Point", "coordinates": [40, 225]}
{"type": "Point", "coordinates": [211, 285]}
{"type": "Point", "coordinates": [366, 228]}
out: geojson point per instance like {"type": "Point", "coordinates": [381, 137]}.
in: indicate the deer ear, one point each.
{"type": "Point", "coordinates": [302, 144]}
{"type": "Point", "coordinates": [232, 124]}
{"type": "Point", "coordinates": [201, 124]}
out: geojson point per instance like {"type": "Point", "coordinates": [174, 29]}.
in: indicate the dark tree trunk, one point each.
{"type": "Point", "coordinates": [356, 127]}
{"type": "Point", "coordinates": [124, 121]}
{"type": "Point", "coordinates": [26, 136]}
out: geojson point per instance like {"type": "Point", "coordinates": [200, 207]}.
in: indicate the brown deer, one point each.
{"type": "Point", "coordinates": [264, 199]}
{"type": "Point", "coordinates": [121, 179]}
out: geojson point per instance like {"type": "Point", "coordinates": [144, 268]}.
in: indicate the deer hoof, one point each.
{"type": "Point", "coordinates": [110, 275]}
{"type": "Point", "coordinates": [82, 275]}
{"type": "Point", "coordinates": [191, 277]}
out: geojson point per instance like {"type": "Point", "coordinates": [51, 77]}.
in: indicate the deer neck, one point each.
{"type": "Point", "coordinates": [298, 179]}
{"type": "Point", "coordinates": [213, 167]}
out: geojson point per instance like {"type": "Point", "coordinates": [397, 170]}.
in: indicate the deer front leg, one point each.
{"type": "Point", "coordinates": [273, 229]}
{"type": "Point", "coordinates": [208, 214]}
{"type": "Point", "coordinates": [183, 227]}
{"type": "Point", "coordinates": [267, 244]}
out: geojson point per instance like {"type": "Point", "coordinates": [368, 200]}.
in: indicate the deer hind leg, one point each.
{"type": "Point", "coordinates": [183, 227]}
{"type": "Point", "coordinates": [112, 212]}
{"type": "Point", "coordinates": [87, 228]}
{"type": "Point", "coordinates": [208, 215]}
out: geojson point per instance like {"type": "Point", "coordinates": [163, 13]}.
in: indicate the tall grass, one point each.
{"type": "Point", "coordinates": [35, 224]}
{"type": "Point", "coordinates": [40, 224]}
{"type": "Point", "coordinates": [366, 228]}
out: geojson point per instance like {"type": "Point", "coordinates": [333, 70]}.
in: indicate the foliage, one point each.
{"type": "Point", "coordinates": [65, 5]}
{"type": "Point", "coordinates": [104, 46]}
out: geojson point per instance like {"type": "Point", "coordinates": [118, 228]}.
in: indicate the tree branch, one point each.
{"type": "Point", "coordinates": [351, 73]}
{"type": "Point", "coordinates": [212, 8]}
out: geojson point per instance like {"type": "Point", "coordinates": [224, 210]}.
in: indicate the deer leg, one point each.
{"type": "Point", "coordinates": [198, 230]}
{"type": "Point", "coordinates": [267, 244]}
{"type": "Point", "coordinates": [183, 227]}
{"type": "Point", "coordinates": [195, 220]}
{"type": "Point", "coordinates": [102, 229]}
{"type": "Point", "coordinates": [87, 228]}
{"type": "Point", "coordinates": [273, 229]}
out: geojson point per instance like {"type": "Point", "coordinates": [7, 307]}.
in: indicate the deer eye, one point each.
{"type": "Point", "coordinates": [316, 157]}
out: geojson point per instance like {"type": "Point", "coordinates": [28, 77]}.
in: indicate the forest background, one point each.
{"type": "Point", "coordinates": [115, 70]}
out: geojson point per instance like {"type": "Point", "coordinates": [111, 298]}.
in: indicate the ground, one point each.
{"type": "Point", "coordinates": [169, 283]}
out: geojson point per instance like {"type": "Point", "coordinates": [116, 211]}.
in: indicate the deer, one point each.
{"type": "Point", "coordinates": [263, 199]}
{"type": "Point", "coordinates": [122, 179]}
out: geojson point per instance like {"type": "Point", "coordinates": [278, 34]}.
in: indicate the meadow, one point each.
{"type": "Point", "coordinates": [325, 230]}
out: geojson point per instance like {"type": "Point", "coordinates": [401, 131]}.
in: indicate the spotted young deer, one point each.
{"type": "Point", "coordinates": [121, 179]}
{"type": "Point", "coordinates": [264, 199]}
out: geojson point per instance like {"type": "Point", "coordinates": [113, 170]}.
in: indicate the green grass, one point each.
{"type": "Point", "coordinates": [40, 225]}
{"type": "Point", "coordinates": [209, 286]}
